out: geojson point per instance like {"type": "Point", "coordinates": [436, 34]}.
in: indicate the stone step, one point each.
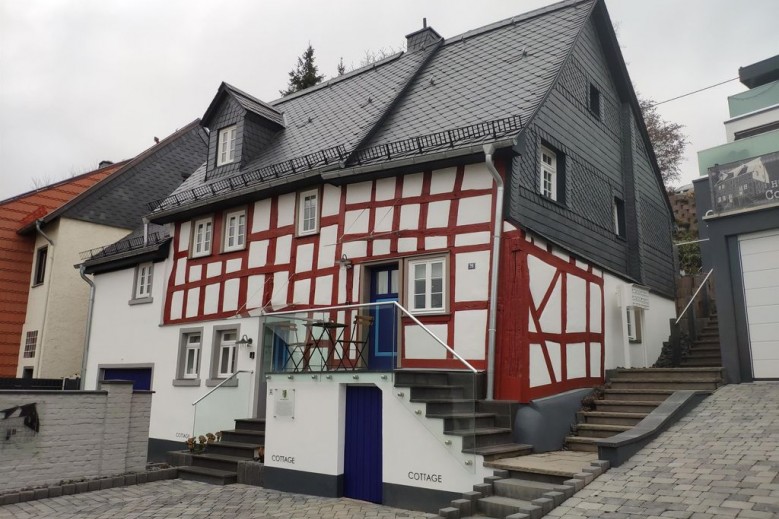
{"type": "Point", "coordinates": [244, 436]}
{"type": "Point", "coordinates": [593, 430]}
{"type": "Point", "coordinates": [626, 406]}
{"type": "Point", "coordinates": [611, 417]}
{"type": "Point", "coordinates": [436, 391]}
{"type": "Point", "coordinates": [446, 405]}
{"type": "Point", "coordinates": [406, 378]}
{"type": "Point", "coordinates": [670, 374]}
{"type": "Point", "coordinates": [581, 443]}
{"type": "Point", "coordinates": [526, 489]}
{"type": "Point", "coordinates": [482, 437]}
{"type": "Point", "coordinates": [670, 383]}
{"type": "Point", "coordinates": [501, 451]}
{"type": "Point", "coordinates": [655, 395]}
{"type": "Point", "coordinates": [206, 475]}
{"type": "Point", "coordinates": [499, 506]}
{"type": "Point", "coordinates": [240, 449]}
{"type": "Point", "coordinates": [454, 421]}
{"type": "Point", "coordinates": [701, 362]}
{"type": "Point", "coordinates": [252, 424]}
{"type": "Point", "coordinates": [705, 348]}
{"type": "Point", "coordinates": [217, 461]}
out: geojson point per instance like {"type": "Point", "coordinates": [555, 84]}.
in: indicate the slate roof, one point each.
{"type": "Point", "coordinates": [137, 243]}
{"type": "Point", "coordinates": [500, 72]}
{"type": "Point", "coordinates": [120, 199]}
{"type": "Point", "coordinates": [248, 102]}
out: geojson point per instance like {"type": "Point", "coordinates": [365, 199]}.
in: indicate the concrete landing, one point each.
{"type": "Point", "coordinates": [556, 463]}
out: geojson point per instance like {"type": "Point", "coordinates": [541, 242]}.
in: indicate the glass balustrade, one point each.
{"type": "Point", "coordinates": [218, 409]}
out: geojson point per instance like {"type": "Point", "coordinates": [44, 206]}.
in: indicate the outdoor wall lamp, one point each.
{"type": "Point", "coordinates": [345, 262]}
{"type": "Point", "coordinates": [244, 341]}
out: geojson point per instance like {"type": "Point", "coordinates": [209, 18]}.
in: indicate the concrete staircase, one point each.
{"type": "Point", "coordinates": [630, 395]}
{"type": "Point", "coordinates": [705, 351]}
{"type": "Point", "coordinates": [219, 463]}
{"type": "Point", "coordinates": [520, 493]}
{"type": "Point", "coordinates": [455, 398]}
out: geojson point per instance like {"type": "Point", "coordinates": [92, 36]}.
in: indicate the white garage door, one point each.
{"type": "Point", "coordinates": [760, 267]}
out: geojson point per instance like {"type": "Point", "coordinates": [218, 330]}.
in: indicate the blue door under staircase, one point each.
{"type": "Point", "coordinates": [363, 444]}
{"type": "Point", "coordinates": [383, 340]}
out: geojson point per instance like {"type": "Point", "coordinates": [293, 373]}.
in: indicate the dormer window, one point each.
{"type": "Point", "coordinates": [226, 146]}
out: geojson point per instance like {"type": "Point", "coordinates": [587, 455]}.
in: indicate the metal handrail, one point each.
{"type": "Point", "coordinates": [222, 383]}
{"type": "Point", "coordinates": [703, 283]}
{"type": "Point", "coordinates": [367, 305]}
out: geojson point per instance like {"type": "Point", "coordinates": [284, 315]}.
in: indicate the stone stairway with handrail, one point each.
{"type": "Point", "coordinates": [218, 464]}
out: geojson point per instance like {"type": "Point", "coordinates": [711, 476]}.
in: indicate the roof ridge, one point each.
{"type": "Point", "coordinates": [240, 92]}
{"type": "Point", "coordinates": [522, 17]}
{"type": "Point", "coordinates": [117, 174]}
{"type": "Point", "coordinates": [338, 79]}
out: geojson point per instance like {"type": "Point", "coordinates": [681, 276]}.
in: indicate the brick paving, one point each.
{"type": "Point", "coordinates": [194, 500]}
{"type": "Point", "coordinates": [720, 461]}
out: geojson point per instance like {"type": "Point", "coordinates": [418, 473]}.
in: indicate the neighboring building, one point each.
{"type": "Point", "coordinates": [738, 211]}
{"type": "Point", "coordinates": [683, 204]}
{"type": "Point", "coordinates": [53, 334]}
{"type": "Point", "coordinates": [16, 257]}
{"type": "Point", "coordinates": [381, 186]}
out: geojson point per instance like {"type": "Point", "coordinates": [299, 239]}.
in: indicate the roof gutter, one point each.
{"type": "Point", "coordinates": [489, 150]}
{"type": "Point", "coordinates": [88, 333]}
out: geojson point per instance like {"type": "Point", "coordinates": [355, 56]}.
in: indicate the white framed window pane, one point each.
{"type": "Point", "coordinates": [308, 212]}
{"type": "Point", "coordinates": [240, 238]}
{"type": "Point", "coordinates": [382, 282]}
{"type": "Point", "coordinates": [224, 364]}
{"type": "Point", "coordinates": [427, 286]}
{"type": "Point", "coordinates": [394, 282]}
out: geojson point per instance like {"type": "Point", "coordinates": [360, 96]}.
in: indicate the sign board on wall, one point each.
{"type": "Point", "coordinates": [747, 184]}
{"type": "Point", "coordinates": [635, 296]}
{"type": "Point", "coordinates": [283, 403]}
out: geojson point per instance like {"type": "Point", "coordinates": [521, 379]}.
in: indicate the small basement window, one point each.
{"type": "Point", "coordinates": [594, 101]}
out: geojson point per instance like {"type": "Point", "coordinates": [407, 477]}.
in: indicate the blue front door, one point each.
{"type": "Point", "coordinates": [383, 340]}
{"type": "Point", "coordinates": [363, 444]}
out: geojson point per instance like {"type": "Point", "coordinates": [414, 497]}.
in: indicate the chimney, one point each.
{"type": "Point", "coordinates": [104, 163]}
{"type": "Point", "coordinates": [419, 40]}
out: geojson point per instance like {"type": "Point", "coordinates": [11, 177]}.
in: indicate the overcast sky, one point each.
{"type": "Point", "coordinates": [88, 80]}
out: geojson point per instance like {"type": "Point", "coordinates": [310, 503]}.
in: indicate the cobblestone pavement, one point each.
{"type": "Point", "coordinates": [193, 500]}
{"type": "Point", "coordinates": [721, 460]}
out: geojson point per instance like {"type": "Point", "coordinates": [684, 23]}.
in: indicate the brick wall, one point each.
{"type": "Point", "coordinates": [82, 434]}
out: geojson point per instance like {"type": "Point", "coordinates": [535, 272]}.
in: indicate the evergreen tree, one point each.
{"type": "Point", "coordinates": [304, 75]}
{"type": "Point", "coordinates": [341, 67]}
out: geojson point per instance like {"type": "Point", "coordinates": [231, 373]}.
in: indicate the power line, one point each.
{"type": "Point", "coordinates": [696, 91]}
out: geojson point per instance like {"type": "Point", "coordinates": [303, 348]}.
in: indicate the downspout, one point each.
{"type": "Point", "coordinates": [50, 260]}
{"type": "Point", "coordinates": [90, 306]}
{"type": "Point", "coordinates": [489, 149]}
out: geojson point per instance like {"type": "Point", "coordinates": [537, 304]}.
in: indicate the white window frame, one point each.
{"type": "Point", "coordinates": [225, 147]}
{"type": "Point", "coordinates": [303, 219]}
{"type": "Point", "coordinates": [548, 174]}
{"type": "Point", "coordinates": [230, 348]}
{"type": "Point", "coordinates": [30, 344]}
{"type": "Point", "coordinates": [144, 276]}
{"type": "Point", "coordinates": [235, 221]}
{"type": "Point", "coordinates": [202, 249]}
{"type": "Point", "coordinates": [194, 349]}
{"type": "Point", "coordinates": [411, 300]}
{"type": "Point", "coordinates": [634, 318]}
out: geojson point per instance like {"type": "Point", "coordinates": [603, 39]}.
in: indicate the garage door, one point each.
{"type": "Point", "coordinates": [760, 268]}
{"type": "Point", "coordinates": [140, 377]}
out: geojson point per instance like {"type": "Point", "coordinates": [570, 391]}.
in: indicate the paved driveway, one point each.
{"type": "Point", "coordinates": [193, 500]}
{"type": "Point", "coordinates": [721, 460]}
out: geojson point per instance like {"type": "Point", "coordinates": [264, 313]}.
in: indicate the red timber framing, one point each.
{"type": "Point", "coordinates": [373, 242]}
{"type": "Point", "coordinates": [520, 327]}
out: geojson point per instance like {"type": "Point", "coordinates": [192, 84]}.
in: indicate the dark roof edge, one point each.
{"type": "Point", "coordinates": [68, 180]}
{"type": "Point", "coordinates": [228, 89]}
{"type": "Point", "coordinates": [337, 79]}
{"type": "Point", "coordinates": [116, 174]}
{"type": "Point", "coordinates": [156, 252]}
{"type": "Point", "coordinates": [616, 54]}
{"type": "Point", "coordinates": [541, 11]}
{"type": "Point", "coordinates": [373, 128]}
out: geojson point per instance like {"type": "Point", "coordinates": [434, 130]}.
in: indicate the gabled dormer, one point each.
{"type": "Point", "coordinates": [240, 126]}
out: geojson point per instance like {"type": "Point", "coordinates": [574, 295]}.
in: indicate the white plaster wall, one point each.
{"type": "Point", "coordinates": [656, 328]}
{"type": "Point", "coordinates": [738, 124]}
{"type": "Point", "coordinates": [411, 443]}
{"type": "Point", "coordinates": [124, 334]}
{"type": "Point", "coordinates": [61, 340]}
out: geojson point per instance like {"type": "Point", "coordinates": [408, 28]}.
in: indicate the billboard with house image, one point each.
{"type": "Point", "coordinates": [748, 184]}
